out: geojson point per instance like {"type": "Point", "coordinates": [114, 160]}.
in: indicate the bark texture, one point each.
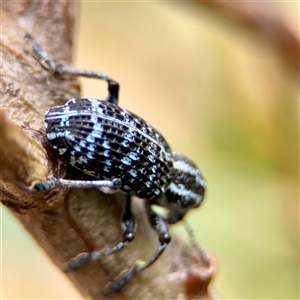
{"type": "Point", "coordinates": [66, 222]}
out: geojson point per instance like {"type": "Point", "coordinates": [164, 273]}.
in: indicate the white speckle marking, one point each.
{"type": "Point", "coordinates": [157, 192]}
{"type": "Point", "coordinates": [133, 173]}
{"type": "Point", "coordinates": [71, 101]}
{"type": "Point", "coordinates": [69, 136]}
{"type": "Point", "coordinates": [126, 160]}
{"type": "Point", "coordinates": [94, 119]}
{"type": "Point", "coordinates": [61, 151]}
{"type": "Point", "coordinates": [151, 150]}
{"type": "Point", "coordinates": [154, 169]}
{"type": "Point", "coordinates": [133, 155]}
{"type": "Point", "coordinates": [91, 147]}
{"type": "Point", "coordinates": [90, 138]}
{"type": "Point", "coordinates": [151, 158]}
{"type": "Point", "coordinates": [139, 150]}
{"type": "Point", "coordinates": [108, 162]}
{"type": "Point", "coordinates": [72, 160]}
{"type": "Point", "coordinates": [98, 127]}
{"type": "Point", "coordinates": [77, 148]}
{"type": "Point", "coordinates": [125, 143]}
{"type": "Point", "coordinates": [67, 109]}
{"type": "Point", "coordinates": [106, 145]}
{"type": "Point", "coordinates": [128, 136]}
{"type": "Point", "coordinates": [60, 134]}
{"type": "Point", "coordinates": [152, 177]}
{"type": "Point", "coordinates": [82, 143]}
{"type": "Point", "coordinates": [90, 155]}
{"type": "Point", "coordinates": [51, 135]}
{"type": "Point", "coordinates": [82, 159]}
{"type": "Point", "coordinates": [148, 184]}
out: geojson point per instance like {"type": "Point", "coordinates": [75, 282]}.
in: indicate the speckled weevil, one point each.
{"type": "Point", "coordinates": [123, 152]}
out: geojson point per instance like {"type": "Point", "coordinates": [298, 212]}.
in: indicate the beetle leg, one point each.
{"type": "Point", "coordinates": [106, 186]}
{"type": "Point", "coordinates": [40, 54]}
{"type": "Point", "coordinates": [129, 228]}
{"type": "Point", "coordinates": [161, 228]}
{"type": "Point", "coordinates": [113, 86]}
{"type": "Point", "coordinates": [59, 70]}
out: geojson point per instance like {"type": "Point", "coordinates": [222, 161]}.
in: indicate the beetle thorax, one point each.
{"type": "Point", "coordinates": [186, 189]}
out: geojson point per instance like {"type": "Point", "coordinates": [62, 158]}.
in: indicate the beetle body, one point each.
{"type": "Point", "coordinates": [119, 150]}
{"type": "Point", "coordinates": [106, 141]}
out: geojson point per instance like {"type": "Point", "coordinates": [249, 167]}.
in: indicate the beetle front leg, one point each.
{"type": "Point", "coordinates": [60, 70]}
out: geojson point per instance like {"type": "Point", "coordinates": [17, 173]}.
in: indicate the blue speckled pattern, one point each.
{"type": "Point", "coordinates": [106, 141]}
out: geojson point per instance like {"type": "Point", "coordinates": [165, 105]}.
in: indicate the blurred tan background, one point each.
{"type": "Point", "coordinates": [223, 92]}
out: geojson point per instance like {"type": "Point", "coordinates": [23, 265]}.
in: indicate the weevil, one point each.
{"type": "Point", "coordinates": [123, 153]}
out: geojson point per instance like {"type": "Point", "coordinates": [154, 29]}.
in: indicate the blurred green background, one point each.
{"type": "Point", "coordinates": [225, 95]}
